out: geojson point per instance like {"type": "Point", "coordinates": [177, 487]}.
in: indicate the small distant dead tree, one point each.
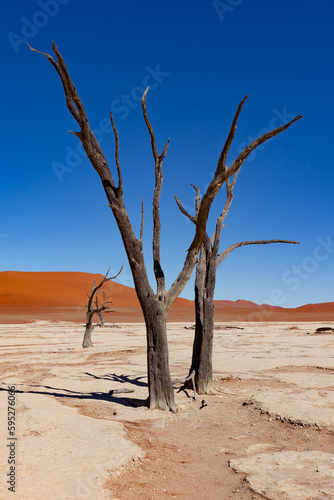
{"type": "Point", "coordinates": [93, 308]}
{"type": "Point", "coordinates": [200, 373]}
{"type": "Point", "coordinates": [155, 305]}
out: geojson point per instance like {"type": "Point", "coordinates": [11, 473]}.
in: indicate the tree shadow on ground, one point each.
{"type": "Point", "coordinates": [86, 396]}
{"type": "Point", "coordinates": [113, 377]}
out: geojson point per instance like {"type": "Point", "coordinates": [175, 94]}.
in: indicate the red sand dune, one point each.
{"type": "Point", "coordinates": [317, 307]}
{"type": "Point", "coordinates": [56, 289]}
{"type": "Point", "coordinates": [25, 296]}
{"type": "Point", "coordinates": [63, 296]}
{"type": "Point", "coordinates": [242, 304]}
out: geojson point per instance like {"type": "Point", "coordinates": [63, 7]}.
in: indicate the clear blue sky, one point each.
{"type": "Point", "coordinates": [200, 59]}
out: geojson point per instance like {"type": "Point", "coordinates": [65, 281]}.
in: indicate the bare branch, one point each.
{"type": "Point", "coordinates": [221, 166]}
{"type": "Point", "coordinates": [69, 101]}
{"type": "Point", "coordinates": [184, 211]}
{"type": "Point", "coordinates": [77, 134]}
{"type": "Point", "coordinates": [69, 83]}
{"type": "Point", "coordinates": [215, 239]}
{"type": "Point", "coordinates": [227, 145]}
{"type": "Point", "coordinates": [116, 275]}
{"type": "Point", "coordinates": [226, 252]}
{"type": "Point", "coordinates": [197, 199]}
{"type": "Point", "coordinates": [119, 173]}
{"type": "Point", "coordinates": [150, 129]}
{"type": "Point", "coordinates": [158, 159]}
{"type": "Point", "coordinates": [142, 221]}
{"type": "Point", "coordinates": [99, 310]}
{"type": "Point", "coordinates": [228, 182]}
{"type": "Point", "coordinates": [149, 126]}
{"type": "Point", "coordinates": [77, 110]}
{"type": "Point", "coordinates": [105, 278]}
{"type": "Point", "coordinates": [197, 204]}
{"type": "Point", "coordinates": [163, 154]}
{"type": "Point", "coordinates": [229, 198]}
{"type": "Point", "coordinates": [221, 175]}
{"type": "Point", "coordinates": [253, 145]}
{"type": "Point", "coordinates": [93, 297]}
{"type": "Point", "coordinates": [191, 377]}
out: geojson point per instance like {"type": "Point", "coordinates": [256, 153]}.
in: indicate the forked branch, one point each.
{"type": "Point", "coordinates": [158, 160]}
{"type": "Point", "coordinates": [229, 140]}
{"type": "Point", "coordinates": [223, 173]}
{"type": "Point", "coordinates": [100, 308]}
{"type": "Point", "coordinates": [96, 288]}
{"type": "Point", "coordinates": [215, 239]}
{"type": "Point", "coordinates": [184, 211]}
{"type": "Point", "coordinates": [77, 110]}
{"type": "Point", "coordinates": [228, 250]}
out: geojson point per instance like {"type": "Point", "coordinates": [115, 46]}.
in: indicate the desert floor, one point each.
{"type": "Point", "coordinates": [267, 432]}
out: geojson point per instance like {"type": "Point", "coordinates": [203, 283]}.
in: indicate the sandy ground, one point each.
{"type": "Point", "coordinates": [267, 432]}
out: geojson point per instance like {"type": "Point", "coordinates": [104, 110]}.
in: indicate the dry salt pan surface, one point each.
{"type": "Point", "coordinates": [70, 431]}
{"type": "Point", "coordinates": [287, 474]}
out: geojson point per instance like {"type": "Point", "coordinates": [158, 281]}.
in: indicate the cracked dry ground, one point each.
{"type": "Point", "coordinates": [227, 449]}
{"type": "Point", "coordinates": [188, 456]}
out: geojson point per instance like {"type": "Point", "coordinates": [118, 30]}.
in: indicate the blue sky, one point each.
{"type": "Point", "coordinates": [199, 59]}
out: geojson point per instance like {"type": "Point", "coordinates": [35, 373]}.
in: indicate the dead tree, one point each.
{"type": "Point", "coordinates": [93, 308]}
{"type": "Point", "coordinates": [205, 282]}
{"type": "Point", "coordinates": [155, 305]}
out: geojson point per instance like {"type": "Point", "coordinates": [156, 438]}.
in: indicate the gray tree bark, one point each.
{"type": "Point", "coordinates": [101, 324]}
{"type": "Point", "coordinates": [87, 340]}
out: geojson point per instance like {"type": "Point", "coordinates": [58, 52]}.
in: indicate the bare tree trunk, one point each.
{"type": "Point", "coordinates": [203, 347]}
{"type": "Point", "coordinates": [87, 340]}
{"type": "Point", "coordinates": [204, 311]}
{"type": "Point", "coordinates": [160, 387]}
{"type": "Point", "coordinates": [101, 324]}
{"type": "Point", "coordinates": [161, 392]}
